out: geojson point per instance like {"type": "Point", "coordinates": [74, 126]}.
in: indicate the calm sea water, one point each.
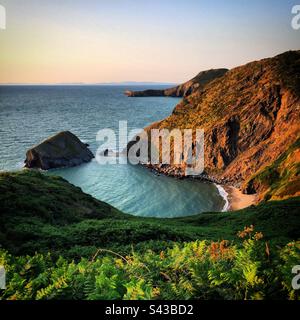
{"type": "Point", "coordinates": [29, 114]}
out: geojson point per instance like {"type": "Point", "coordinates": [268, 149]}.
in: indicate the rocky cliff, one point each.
{"type": "Point", "coordinates": [251, 118]}
{"type": "Point", "coordinates": [61, 150]}
{"type": "Point", "coordinates": [184, 89]}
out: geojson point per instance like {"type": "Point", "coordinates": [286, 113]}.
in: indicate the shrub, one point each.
{"type": "Point", "coordinates": [192, 270]}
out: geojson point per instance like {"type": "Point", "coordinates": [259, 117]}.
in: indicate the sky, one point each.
{"type": "Point", "coordinates": [93, 41]}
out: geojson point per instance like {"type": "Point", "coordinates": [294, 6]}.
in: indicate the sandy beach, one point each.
{"type": "Point", "coordinates": [238, 200]}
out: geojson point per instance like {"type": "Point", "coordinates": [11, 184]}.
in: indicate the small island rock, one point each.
{"type": "Point", "coordinates": [61, 150]}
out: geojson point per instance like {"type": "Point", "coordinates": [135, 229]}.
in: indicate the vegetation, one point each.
{"type": "Point", "coordinates": [98, 252]}
{"type": "Point", "coordinates": [280, 180]}
{"type": "Point", "coordinates": [201, 270]}
{"type": "Point", "coordinates": [42, 213]}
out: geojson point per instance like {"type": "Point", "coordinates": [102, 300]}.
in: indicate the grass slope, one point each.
{"type": "Point", "coordinates": [279, 180]}
{"type": "Point", "coordinates": [42, 213]}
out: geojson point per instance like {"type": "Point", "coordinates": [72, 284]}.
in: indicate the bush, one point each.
{"type": "Point", "coordinates": [193, 270]}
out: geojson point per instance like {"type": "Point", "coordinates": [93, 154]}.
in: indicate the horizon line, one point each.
{"type": "Point", "coordinates": [86, 83]}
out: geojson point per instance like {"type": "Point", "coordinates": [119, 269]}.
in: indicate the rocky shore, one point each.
{"type": "Point", "coordinates": [236, 199]}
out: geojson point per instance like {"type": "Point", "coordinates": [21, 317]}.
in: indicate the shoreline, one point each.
{"type": "Point", "coordinates": [233, 197]}
{"type": "Point", "coordinates": [224, 194]}
{"type": "Point", "coordinates": [238, 200]}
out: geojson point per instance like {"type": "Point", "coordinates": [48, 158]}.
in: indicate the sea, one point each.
{"type": "Point", "coordinates": [30, 114]}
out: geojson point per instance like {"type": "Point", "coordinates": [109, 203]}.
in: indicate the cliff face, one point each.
{"type": "Point", "coordinates": [62, 150]}
{"type": "Point", "coordinates": [184, 89]}
{"type": "Point", "coordinates": [251, 116]}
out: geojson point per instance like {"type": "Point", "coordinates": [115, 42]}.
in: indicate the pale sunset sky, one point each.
{"type": "Point", "coordinates": [92, 41]}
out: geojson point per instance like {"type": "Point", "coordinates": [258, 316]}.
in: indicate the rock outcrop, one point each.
{"type": "Point", "coordinates": [251, 117]}
{"type": "Point", "coordinates": [61, 150]}
{"type": "Point", "coordinates": [184, 89]}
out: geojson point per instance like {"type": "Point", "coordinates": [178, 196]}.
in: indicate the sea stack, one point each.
{"type": "Point", "coordinates": [61, 150]}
